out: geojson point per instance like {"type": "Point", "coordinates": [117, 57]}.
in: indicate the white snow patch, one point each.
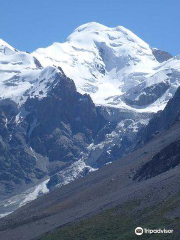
{"type": "Point", "coordinates": [13, 203]}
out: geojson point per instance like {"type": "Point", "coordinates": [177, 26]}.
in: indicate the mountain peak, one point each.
{"type": "Point", "coordinates": [96, 54]}
{"type": "Point", "coordinates": [95, 26]}
{"type": "Point", "coordinates": [91, 26]}
{"type": "Point", "coordinates": [95, 32]}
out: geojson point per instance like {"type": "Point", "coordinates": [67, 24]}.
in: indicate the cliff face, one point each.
{"type": "Point", "coordinates": [169, 157]}
{"type": "Point", "coordinates": [161, 56]}
{"type": "Point", "coordinates": [49, 134]}
{"type": "Point", "coordinates": [162, 120]}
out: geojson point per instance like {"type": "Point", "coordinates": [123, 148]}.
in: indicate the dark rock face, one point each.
{"type": "Point", "coordinates": [54, 133]}
{"type": "Point", "coordinates": [148, 95]}
{"type": "Point", "coordinates": [163, 119]}
{"type": "Point", "coordinates": [17, 163]}
{"type": "Point", "coordinates": [61, 125]}
{"type": "Point", "coordinates": [166, 159]}
{"type": "Point", "coordinates": [161, 56]}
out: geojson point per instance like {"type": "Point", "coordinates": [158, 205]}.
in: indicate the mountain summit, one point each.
{"type": "Point", "coordinates": [108, 63]}
{"type": "Point", "coordinates": [104, 62]}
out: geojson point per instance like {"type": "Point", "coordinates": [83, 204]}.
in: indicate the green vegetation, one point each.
{"type": "Point", "coordinates": [120, 222]}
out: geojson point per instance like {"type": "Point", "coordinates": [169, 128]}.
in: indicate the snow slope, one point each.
{"type": "Point", "coordinates": [11, 204]}
{"type": "Point", "coordinates": [21, 75]}
{"type": "Point", "coordinates": [113, 65]}
{"type": "Point", "coordinates": [107, 63]}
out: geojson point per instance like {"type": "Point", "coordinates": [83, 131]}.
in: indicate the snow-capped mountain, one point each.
{"type": "Point", "coordinates": [114, 66]}
{"type": "Point", "coordinates": [50, 127]}
{"type": "Point", "coordinates": [104, 62]}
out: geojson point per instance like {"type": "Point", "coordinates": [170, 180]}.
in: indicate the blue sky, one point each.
{"type": "Point", "coordinates": [29, 24]}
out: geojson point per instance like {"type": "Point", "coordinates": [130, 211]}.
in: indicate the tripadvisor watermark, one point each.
{"type": "Point", "coordinates": [140, 231]}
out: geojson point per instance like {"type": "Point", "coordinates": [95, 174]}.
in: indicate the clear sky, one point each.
{"type": "Point", "coordinates": [29, 24]}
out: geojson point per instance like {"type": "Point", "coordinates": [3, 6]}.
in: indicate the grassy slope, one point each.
{"type": "Point", "coordinates": [120, 222]}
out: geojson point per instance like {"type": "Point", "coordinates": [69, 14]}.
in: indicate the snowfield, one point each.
{"type": "Point", "coordinates": [113, 65]}
{"type": "Point", "coordinates": [109, 62]}
{"type": "Point", "coordinates": [22, 75]}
